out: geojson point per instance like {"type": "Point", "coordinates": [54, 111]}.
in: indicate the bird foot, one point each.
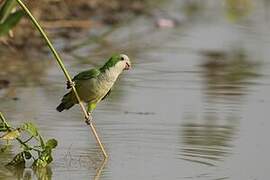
{"type": "Point", "coordinates": [89, 119]}
{"type": "Point", "coordinates": [70, 84]}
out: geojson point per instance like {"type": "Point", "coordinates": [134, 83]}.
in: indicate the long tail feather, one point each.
{"type": "Point", "coordinates": [61, 107]}
{"type": "Point", "coordinates": [67, 102]}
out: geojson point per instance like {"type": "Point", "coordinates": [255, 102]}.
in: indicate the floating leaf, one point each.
{"type": "Point", "coordinates": [17, 160]}
{"type": "Point", "coordinates": [10, 22]}
{"type": "Point", "coordinates": [30, 128]}
{"type": "Point", "coordinates": [6, 9]}
{"type": "Point", "coordinates": [11, 135]}
{"type": "Point", "coordinates": [51, 143]}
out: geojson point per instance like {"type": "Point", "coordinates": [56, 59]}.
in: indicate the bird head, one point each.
{"type": "Point", "coordinates": [124, 61]}
{"type": "Point", "coordinates": [119, 62]}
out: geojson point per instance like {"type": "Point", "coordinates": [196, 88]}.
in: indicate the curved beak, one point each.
{"type": "Point", "coordinates": [128, 66]}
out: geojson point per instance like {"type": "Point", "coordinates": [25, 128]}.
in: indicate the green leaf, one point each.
{"type": "Point", "coordinates": [3, 149]}
{"type": "Point", "coordinates": [6, 9]}
{"type": "Point", "coordinates": [42, 150]}
{"type": "Point", "coordinates": [42, 144]}
{"type": "Point", "coordinates": [3, 127]}
{"type": "Point", "coordinates": [51, 143]}
{"type": "Point", "coordinates": [30, 128]}
{"type": "Point", "coordinates": [49, 159]}
{"type": "Point", "coordinates": [11, 135]}
{"type": "Point", "coordinates": [10, 22]}
{"type": "Point", "coordinates": [17, 160]}
{"type": "Point", "coordinates": [40, 163]}
{"type": "Point", "coordinates": [44, 159]}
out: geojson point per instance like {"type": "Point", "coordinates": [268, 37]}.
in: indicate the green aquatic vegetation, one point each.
{"type": "Point", "coordinates": [32, 144]}
{"type": "Point", "coordinates": [8, 18]}
{"type": "Point", "coordinates": [6, 8]}
{"type": "Point", "coordinates": [237, 9]}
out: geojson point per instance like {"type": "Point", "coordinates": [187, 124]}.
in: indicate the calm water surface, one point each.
{"type": "Point", "coordinates": [194, 106]}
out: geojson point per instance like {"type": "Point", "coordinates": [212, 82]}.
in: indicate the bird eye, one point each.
{"type": "Point", "coordinates": [122, 58]}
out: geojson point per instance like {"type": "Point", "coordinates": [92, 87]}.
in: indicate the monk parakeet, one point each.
{"type": "Point", "coordinates": [95, 84]}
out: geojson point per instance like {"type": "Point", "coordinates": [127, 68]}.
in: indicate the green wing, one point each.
{"type": "Point", "coordinates": [85, 75]}
{"type": "Point", "coordinates": [88, 74]}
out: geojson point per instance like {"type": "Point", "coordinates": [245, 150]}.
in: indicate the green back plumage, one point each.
{"type": "Point", "coordinates": [92, 73]}
{"type": "Point", "coordinates": [111, 62]}
{"type": "Point", "coordinates": [88, 74]}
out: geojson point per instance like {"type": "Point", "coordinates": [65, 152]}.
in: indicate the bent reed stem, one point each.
{"type": "Point", "coordinates": [62, 66]}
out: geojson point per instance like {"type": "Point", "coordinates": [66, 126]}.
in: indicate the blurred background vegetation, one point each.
{"type": "Point", "coordinates": [77, 16]}
{"type": "Point", "coordinates": [21, 45]}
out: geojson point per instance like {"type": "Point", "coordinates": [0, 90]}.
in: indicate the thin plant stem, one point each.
{"type": "Point", "coordinates": [62, 66]}
{"type": "Point", "coordinates": [99, 170]}
{"type": "Point", "coordinates": [3, 119]}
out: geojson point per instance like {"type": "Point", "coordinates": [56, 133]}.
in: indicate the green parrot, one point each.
{"type": "Point", "coordinates": [95, 84]}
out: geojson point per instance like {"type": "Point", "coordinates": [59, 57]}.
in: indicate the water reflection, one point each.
{"type": "Point", "coordinates": [43, 173]}
{"type": "Point", "coordinates": [209, 138]}
{"type": "Point", "coordinates": [29, 174]}
{"type": "Point", "coordinates": [193, 7]}
{"type": "Point", "coordinates": [5, 154]}
{"type": "Point", "coordinates": [228, 74]}
{"type": "Point", "coordinates": [20, 69]}
{"type": "Point", "coordinates": [100, 169]}
{"type": "Point", "coordinates": [21, 173]}
{"type": "Point", "coordinates": [23, 68]}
